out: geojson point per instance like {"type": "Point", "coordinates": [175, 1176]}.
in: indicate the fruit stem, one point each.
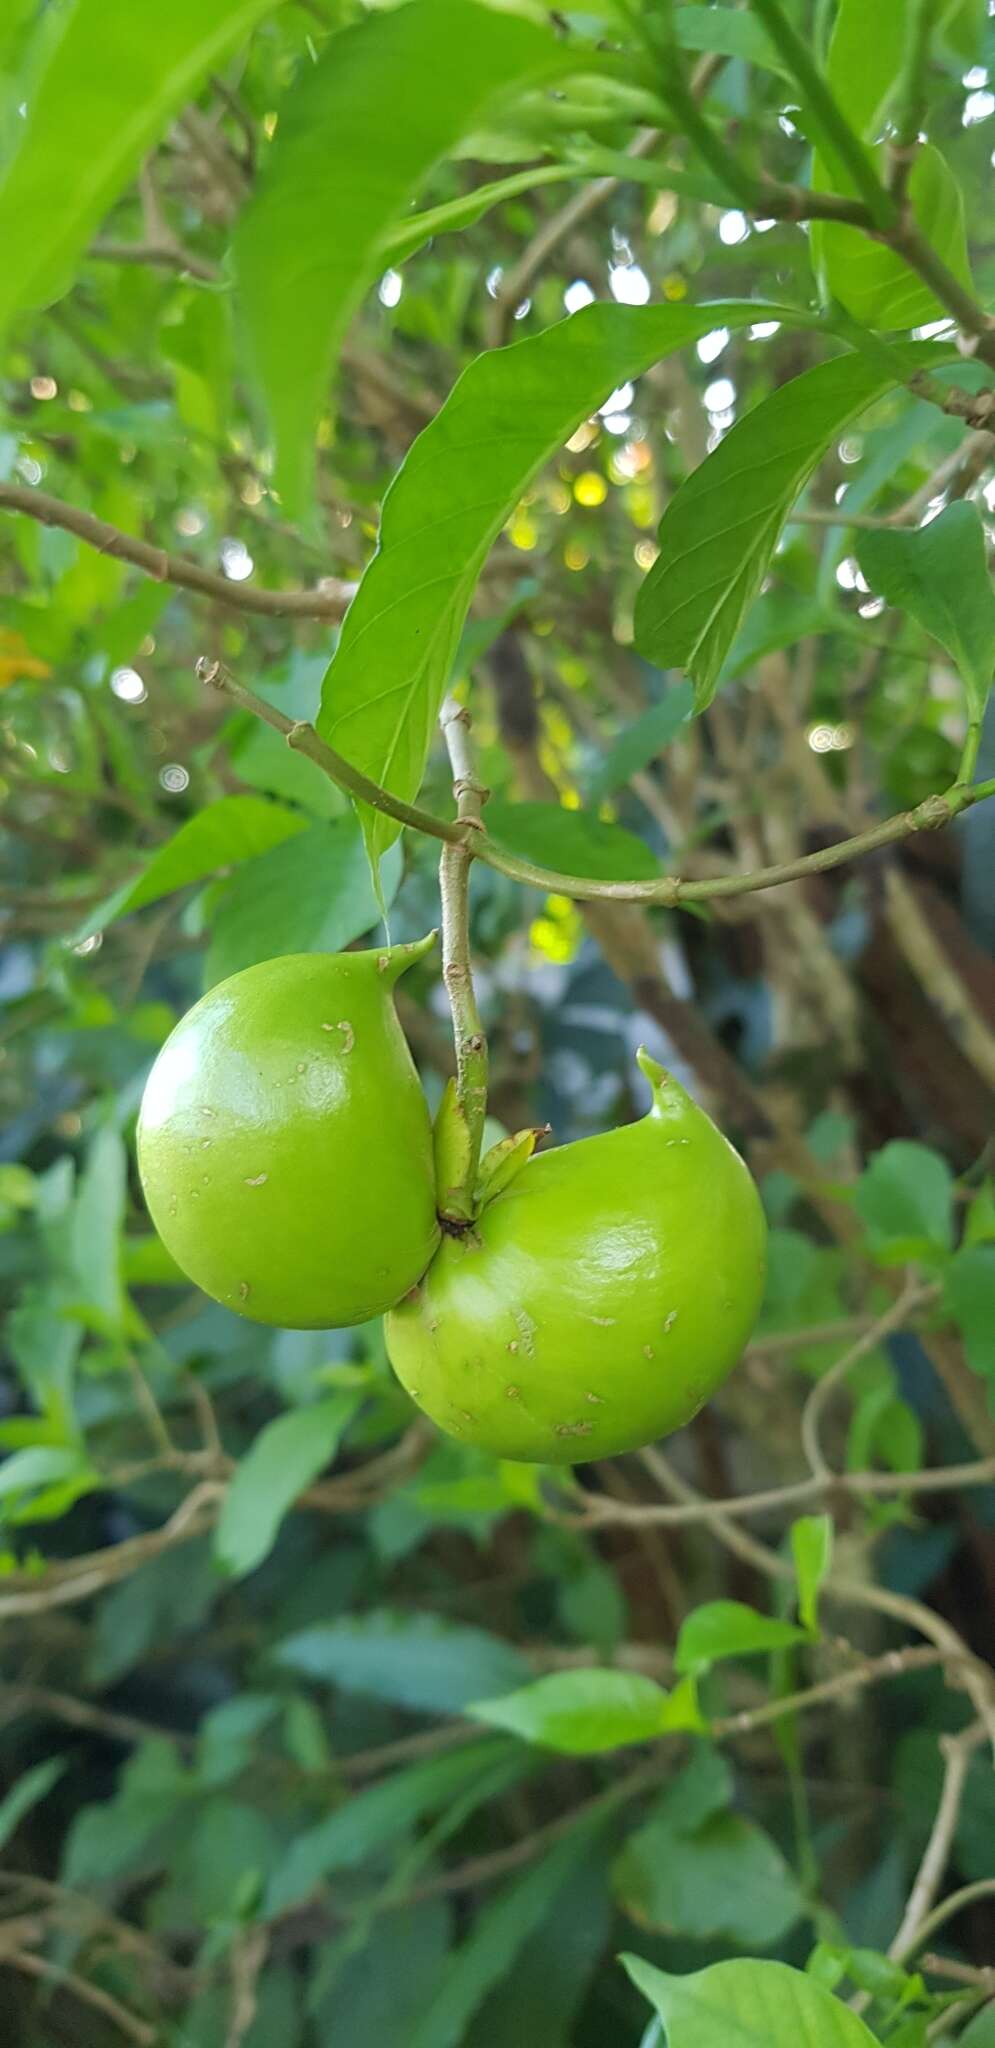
{"type": "Point", "coordinates": [454, 888]}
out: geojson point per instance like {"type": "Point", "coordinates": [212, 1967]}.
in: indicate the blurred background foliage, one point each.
{"type": "Point", "coordinates": [239, 1805]}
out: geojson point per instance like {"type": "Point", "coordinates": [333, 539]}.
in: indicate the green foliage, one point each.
{"type": "Point", "coordinates": [315, 1726]}
{"type": "Point", "coordinates": [394, 93]}
{"type": "Point", "coordinates": [580, 1712]}
{"type": "Point", "coordinates": [717, 538]}
{"type": "Point", "coordinates": [755, 2005]}
{"type": "Point", "coordinates": [940, 576]}
{"type": "Point", "coordinates": [85, 112]}
{"type": "Point", "coordinates": [727, 1628]}
{"type": "Point", "coordinates": [283, 1460]}
{"type": "Point", "coordinates": [382, 693]}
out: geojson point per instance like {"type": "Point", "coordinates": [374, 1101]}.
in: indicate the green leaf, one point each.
{"type": "Point", "coordinates": [727, 1880]}
{"type": "Point", "coordinates": [864, 64]}
{"type": "Point", "coordinates": [284, 1459]}
{"type": "Point", "coordinates": [233, 829]}
{"type": "Point", "coordinates": [499, 1932]}
{"type": "Point", "coordinates": [905, 1197]}
{"type": "Point", "coordinates": [401, 242]}
{"type": "Point", "coordinates": [26, 1793]}
{"type": "Point", "coordinates": [979, 1223]}
{"type": "Point", "coordinates": [970, 1296]}
{"type": "Point", "coordinates": [417, 1661]}
{"type": "Point", "coordinates": [312, 894]}
{"type": "Point", "coordinates": [869, 279]}
{"type": "Point", "coordinates": [368, 1820]}
{"type": "Point", "coordinates": [553, 1970]}
{"type": "Point", "coordinates": [812, 1550]}
{"type": "Point", "coordinates": [718, 534]}
{"type": "Point", "coordinates": [28, 1470]}
{"type": "Point", "coordinates": [979, 2032]}
{"type": "Point", "coordinates": [509, 412]}
{"type": "Point", "coordinates": [747, 2005]}
{"type": "Point", "coordinates": [97, 1224]}
{"type": "Point", "coordinates": [728, 1628]}
{"type": "Point", "coordinates": [572, 842]}
{"type": "Point", "coordinates": [106, 93]}
{"type": "Point", "coordinates": [641, 742]}
{"type": "Point", "coordinates": [939, 574]}
{"type": "Point", "coordinates": [357, 134]}
{"type": "Point", "coordinates": [579, 1712]}
{"type": "Point", "coordinates": [720, 31]}
{"type": "Point", "coordinates": [376, 1993]}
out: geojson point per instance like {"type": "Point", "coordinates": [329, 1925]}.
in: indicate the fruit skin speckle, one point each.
{"type": "Point", "coordinates": [619, 1256]}
{"type": "Point", "coordinates": [321, 1183]}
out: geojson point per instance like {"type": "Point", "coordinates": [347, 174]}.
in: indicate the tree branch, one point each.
{"type": "Point", "coordinates": [329, 603]}
{"type": "Point", "coordinates": [672, 890]}
{"type": "Point", "coordinates": [303, 738]}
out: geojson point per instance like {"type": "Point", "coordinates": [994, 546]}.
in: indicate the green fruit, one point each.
{"type": "Point", "coordinates": [284, 1142]}
{"type": "Point", "coordinates": [598, 1300]}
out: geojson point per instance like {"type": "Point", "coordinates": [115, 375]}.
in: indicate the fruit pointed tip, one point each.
{"type": "Point", "coordinates": [395, 960]}
{"type": "Point", "coordinates": [656, 1075]}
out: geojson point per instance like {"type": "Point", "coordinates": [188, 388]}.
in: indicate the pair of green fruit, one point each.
{"type": "Point", "coordinates": [599, 1295]}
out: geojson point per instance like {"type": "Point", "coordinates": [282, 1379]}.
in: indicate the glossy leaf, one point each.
{"type": "Point", "coordinates": [812, 1550]}
{"type": "Point", "coordinates": [111, 83]}
{"type": "Point", "coordinates": [641, 742]}
{"type": "Point", "coordinates": [386, 99]}
{"type": "Point", "coordinates": [223, 834]}
{"type": "Point", "coordinates": [572, 842]}
{"type": "Point", "coordinates": [414, 1660]}
{"type": "Point", "coordinates": [460, 482]}
{"type": "Point", "coordinates": [286, 1456]}
{"type": "Point", "coordinates": [579, 1712]}
{"type": "Point", "coordinates": [747, 2005]}
{"type": "Point", "coordinates": [718, 534]}
{"type": "Point", "coordinates": [310, 894]}
{"type": "Point", "coordinates": [939, 574]}
{"type": "Point", "coordinates": [728, 1628]}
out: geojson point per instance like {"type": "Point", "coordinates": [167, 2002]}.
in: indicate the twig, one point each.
{"type": "Point", "coordinates": [152, 1414]}
{"type": "Point", "coordinates": [892, 1664]}
{"type": "Point", "coordinates": [88, 1994]}
{"type": "Point", "coordinates": [669, 890]}
{"type": "Point", "coordinates": [960, 1666]}
{"type": "Point", "coordinates": [305, 740]}
{"type": "Point", "coordinates": [329, 603]}
{"type": "Point", "coordinates": [821, 1486]}
{"type": "Point", "coordinates": [248, 1957]}
{"type": "Point", "coordinates": [514, 286]}
{"type": "Point", "coordinates": [673, 890]}
{"type": "Point", "coordinates": [159, 255]}
{"type": "Point", "coordinates": [457, 973]}
{"type": "Point", "coordinates": [968, 1895]}
{"type": "Point", "coordinates": [957, 1751]}
{"type": "Point", "coordinates": [912, 1294]}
